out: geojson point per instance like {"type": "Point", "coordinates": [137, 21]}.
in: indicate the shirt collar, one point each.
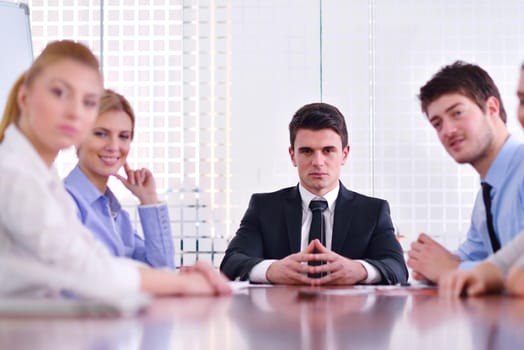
{"type": "Point", "coordinates": [15, 141]}
{"type": "Point", "coordinates": [498, 170]}
{"type": "Point", "coordinates": [307, 196]}
{"type": "Point", "coordinates": [81, 183]}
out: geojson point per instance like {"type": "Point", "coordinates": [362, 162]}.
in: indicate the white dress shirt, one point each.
{"type": "Point", "coordinates": [39, 225]}
{"type": "Point", "coordinates": [258, 273]}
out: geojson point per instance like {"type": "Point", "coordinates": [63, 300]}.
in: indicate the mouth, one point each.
{"type": "Point", "coordinates": [454, 144]}
{"type": "Point", "coordinates": [317, 175]}
{"type": "Point", "coordinates": [68, 130]}
{"type": "Point", "coordinates": [109, 160]}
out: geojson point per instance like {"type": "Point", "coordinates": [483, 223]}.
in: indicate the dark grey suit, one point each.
{"type": "Point", "coordinates": [271, 229]}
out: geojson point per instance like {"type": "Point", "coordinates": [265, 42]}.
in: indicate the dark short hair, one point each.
{"type": "Point", "coordinates": [317, 116]}
{"type": "Point", "coordinates": [464, 78]}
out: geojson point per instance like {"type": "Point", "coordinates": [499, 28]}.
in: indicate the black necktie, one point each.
{"type": "Point", "coordinates": [317, 228]}
{"type": "Point", "coordinates": [486, 188]}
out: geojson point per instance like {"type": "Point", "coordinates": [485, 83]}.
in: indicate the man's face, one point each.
{"type": "Point", "coordinates": [520, 95]}
{"type": "Point", "coordinates": [318, 156]}
{"type": "Point", "coordinates": [465, 131]}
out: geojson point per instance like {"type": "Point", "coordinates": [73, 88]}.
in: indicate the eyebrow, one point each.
{"type": "Point", "coordinates": [98, 128]}
{"type": "Point", "coordinates": [445, 111]}
{"type": "Point", "coordinates": [70, 87]}
{"type": "Point", "coordinates": [306, 148]}
{"type": "Point", "coordinates": [452, 107]}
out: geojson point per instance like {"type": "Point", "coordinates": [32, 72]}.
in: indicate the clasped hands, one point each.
{"type": "Point", "coordinates": [294, 269]}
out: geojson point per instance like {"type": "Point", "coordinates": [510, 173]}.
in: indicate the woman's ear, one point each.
{"type": "Point", "coordinates": [21, 97]}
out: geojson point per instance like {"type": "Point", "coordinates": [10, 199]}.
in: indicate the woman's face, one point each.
{"type": "Point", "coordinates": [106, 148]}
{"type": "Point", "coordinates": [59, 107]}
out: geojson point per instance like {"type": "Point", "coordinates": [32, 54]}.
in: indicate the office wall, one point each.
{"type": "Point", "coordinates": [215, 83]}
{"type": "Point", "coordinates": [376, 55]}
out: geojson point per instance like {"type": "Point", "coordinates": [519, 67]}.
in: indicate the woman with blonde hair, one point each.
{"type": "Point", "coordinates": [44, 248]}
{"type": "Point", "coordinates": [100, 156]}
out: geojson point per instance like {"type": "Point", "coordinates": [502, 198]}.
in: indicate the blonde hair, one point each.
{"type": "Point", "coordinates": [53, 52]}
{"type": "Point", "coordinates": [113, 101]}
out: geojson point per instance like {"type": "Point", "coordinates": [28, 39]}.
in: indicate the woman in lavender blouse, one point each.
{"type": "Point", "coordinates": [100, 156]}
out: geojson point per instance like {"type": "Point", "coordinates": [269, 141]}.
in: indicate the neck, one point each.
{"type": "Point", "coordinates": [47, 155]}
{"type": "Point", "coordinates": [100, 182]}
{"type": "Point", "coordinates": [483, 164]}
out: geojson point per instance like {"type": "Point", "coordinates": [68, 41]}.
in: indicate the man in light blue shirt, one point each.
{"type": "Point", "coordinates": [464, 106]}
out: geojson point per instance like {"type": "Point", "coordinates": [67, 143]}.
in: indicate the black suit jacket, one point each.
{"type": "Point", "coordinates": [271, 229]}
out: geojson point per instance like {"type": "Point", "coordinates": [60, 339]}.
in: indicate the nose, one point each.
{"type": "Point", "coordinates": [448, 128]}
{"type": "Point", "coordinates": [75, 108]}
{"type": "Point", "coordinates": [112, 143]}
{"type": "Point", "coordinates": [318, 158]}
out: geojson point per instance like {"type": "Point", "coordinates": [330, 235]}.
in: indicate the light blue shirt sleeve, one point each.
{"type": "Point", "coordinates": [157, 248]}
{"type": "Point", "coordinates": [473, 249]}
{"type": "Point", "coordinates": [103, 215]}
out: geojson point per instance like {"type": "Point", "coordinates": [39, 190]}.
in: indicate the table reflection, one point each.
{"type": "Point", "coordinates": [274, 316]}
{"type": "Point", "coordinates": [41, 333]}
{"type": "Point", "coordinates": [287, 317]}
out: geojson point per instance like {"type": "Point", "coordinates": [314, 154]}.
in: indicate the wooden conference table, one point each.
{"type": "Point", "coordinates": [259, 317]}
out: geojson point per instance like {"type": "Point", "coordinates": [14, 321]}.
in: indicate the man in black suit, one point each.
{"type": "Point", "coordinates": [356, 241]}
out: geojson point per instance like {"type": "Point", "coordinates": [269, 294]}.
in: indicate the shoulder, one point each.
{"type": "Point", "coordinates": [275, 195]}
{"type": "Point", "coordinates": [346, 194]}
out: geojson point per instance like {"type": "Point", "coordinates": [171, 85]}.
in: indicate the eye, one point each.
{"type": "Point", "coordinates": [57, 91]}
{"type": "Point", "coordinates": [91, 103]}
{"type": "Point", "coordinates": [457, 113]}
{"type": "Point", "coordinates": [436, 124]}
{"type": "Point", "coordinates": [99, 133]}
{"type": "Point", "coordinates": [305, 151]}
{"type": "Point", "coordinates": [125, 136]}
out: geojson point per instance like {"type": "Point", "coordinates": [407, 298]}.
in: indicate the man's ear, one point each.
{"type": "Point", "coordinates": [292, 155]}
{"type": "Point", "coordinates": [493, 106]}
{"type": "Point", "coordinates": [345, 154]}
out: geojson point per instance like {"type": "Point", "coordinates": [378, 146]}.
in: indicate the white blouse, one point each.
{"type": "Point", "coordinates": [511, 255]}
{"type": "Point", "coordinates": [44, 249]}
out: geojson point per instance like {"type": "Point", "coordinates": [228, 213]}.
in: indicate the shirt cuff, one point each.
{"type": "Point", "coordinates": [154, 205]}
{"type": "Point", "coordinates": [258, 272]}
{"type": "Point", "coordinates": [373, 274]}
{"type": "Point", "coordinates": [467, 265]}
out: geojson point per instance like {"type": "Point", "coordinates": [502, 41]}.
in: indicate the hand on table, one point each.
{"type": "Point", "coordinates": [515, 281]}
{"type": "Point", "coordinates": [429, 259]}
{"type": "Point", "coordinates": [293, 269]}
{"type": "Point", "coordinates": [482, 279]}
{"type": "Point", "coordinates": [340, 270]}
{"type": "Point", "coordinates": [205, 278]}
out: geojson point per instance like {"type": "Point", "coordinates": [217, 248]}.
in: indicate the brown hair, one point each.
{"type": "Point", "coordinates": [464, 78]}
{"type": "Point", "coordinates": [52, 53]}
{"type": "Point", "coordinates": [317, 116]}
{"type": "Point", "coordinates": [113, 101]}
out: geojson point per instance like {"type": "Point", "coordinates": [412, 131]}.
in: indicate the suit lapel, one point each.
{"type": "Point", "coordinates": [343, 216]}
{"type": "Point", "coordinates": [293, 217]}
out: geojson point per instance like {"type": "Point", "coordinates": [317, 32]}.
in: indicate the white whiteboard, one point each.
{"type": "Point", "coordinates": [17, 48]}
